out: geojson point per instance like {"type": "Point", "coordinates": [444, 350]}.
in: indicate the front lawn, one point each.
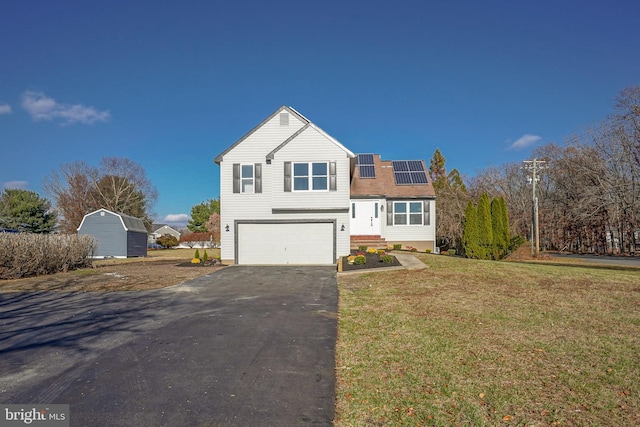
{"type": "Point", "coordinates": [470, 342]}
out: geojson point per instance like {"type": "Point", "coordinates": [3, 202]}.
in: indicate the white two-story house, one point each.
{"type": "Point", "coordinates": [286, 196]}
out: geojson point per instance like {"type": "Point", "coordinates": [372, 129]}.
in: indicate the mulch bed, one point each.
{"type": "Point", "coordinates": [207, 264]}
{"type": "Point", "coordinates": [373, 261]}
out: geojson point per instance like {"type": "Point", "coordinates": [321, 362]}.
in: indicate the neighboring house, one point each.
{"type": "Point", "coordinates": [117, 235]}
{"type": "Point", "coordinates": [159, 230]}
{"type": "Point", "coordinates": [286, 197]}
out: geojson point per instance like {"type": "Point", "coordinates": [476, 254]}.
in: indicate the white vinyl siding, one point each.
{"type": "Point", "coordinates": [408, 232]}
{"type": "Point", "coordinates": [309, 146]}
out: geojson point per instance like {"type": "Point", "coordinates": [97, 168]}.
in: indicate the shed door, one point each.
{"type": "Point", "coordinates": [286, 243]}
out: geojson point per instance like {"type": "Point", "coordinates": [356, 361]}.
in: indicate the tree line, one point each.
{"type": "Point", "coordinates": [588, 192]}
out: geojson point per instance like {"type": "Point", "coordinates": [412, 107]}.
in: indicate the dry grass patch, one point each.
{"type": "Point", "coordinates": [486, 343]}
{"type": "Point", "coordinates": [158, 270]}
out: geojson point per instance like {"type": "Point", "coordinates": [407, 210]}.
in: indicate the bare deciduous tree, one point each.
{"type": "Point", "coordinates": [118, 184]}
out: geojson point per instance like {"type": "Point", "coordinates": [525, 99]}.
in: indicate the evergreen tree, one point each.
{"type": "Point", "coordinates": [201, 213]}
{"type": "Point", "coordinates": [470, 234]}
{"type": "Point", "coordinates": [26, 211]}
{"type": "Point", "coordinates": [499, 244]}
{"type": "Point", "coordinates": [437, 169]}
{"type": "Point", "coordinates": [506, 232]}
{"type": "Point", "coordinates": [485, 230]}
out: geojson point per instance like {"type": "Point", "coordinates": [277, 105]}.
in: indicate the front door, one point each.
{"type": "Point", "coordinates": [365, 217]}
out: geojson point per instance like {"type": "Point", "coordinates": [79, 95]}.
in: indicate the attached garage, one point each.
{"type": "Point", "coordinates": [286, 242]}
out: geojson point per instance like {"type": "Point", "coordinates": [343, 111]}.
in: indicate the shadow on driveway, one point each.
{"type": "Point", "coordinates": [241, 346]}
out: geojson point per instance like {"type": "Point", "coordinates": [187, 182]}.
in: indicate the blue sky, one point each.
{"type": "Point", "coordinates": [171, 84]}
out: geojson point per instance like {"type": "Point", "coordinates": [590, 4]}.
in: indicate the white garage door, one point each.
{"type": "Point", "coordinates": [286, 243]}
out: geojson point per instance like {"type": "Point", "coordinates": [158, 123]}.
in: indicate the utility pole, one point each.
{"type": "Point", "coordinates": [533, 166]}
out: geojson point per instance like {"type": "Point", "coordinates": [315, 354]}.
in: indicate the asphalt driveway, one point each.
{"type": "Point", "coordinates": [241, 346]}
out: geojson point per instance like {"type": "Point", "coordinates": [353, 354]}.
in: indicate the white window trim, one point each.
{"type": "Point", "coordinates": [309, 177]}
{"type": "Point", "coordinates": [408, 214]}
{"type": "Point", "coordinates": [243, 178]}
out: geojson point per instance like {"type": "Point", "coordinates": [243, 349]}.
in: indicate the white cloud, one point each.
{"type": "Point", "coordinates": [41, 107]}
{"type": "Point", "coordinates": [16, 185]}
{"type": "Point", "coordinates": [176, 218]}
{"type": "Point", "coordinates": [5, 109]}
{"type": "Point", "coordinates": [525, 141]}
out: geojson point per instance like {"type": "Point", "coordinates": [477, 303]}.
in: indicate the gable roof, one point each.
{"type": "Point", "coordinates": [303, 119]}
{"type": "Point", "coordinates": [129, 223]}
{"type": "Point", "coordinates": [383, 184]}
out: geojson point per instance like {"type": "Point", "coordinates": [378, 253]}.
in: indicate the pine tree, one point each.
{"type": "Point", "coordinates": [485, 231]}
{"type": "Point", "coordinates": [470, 235]}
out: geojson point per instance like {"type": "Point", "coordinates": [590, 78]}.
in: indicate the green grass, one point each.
{"type": "Point", "coordinates": [470, 342]}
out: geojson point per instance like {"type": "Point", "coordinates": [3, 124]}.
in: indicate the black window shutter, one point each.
{"type": "Point", "coordinates": [389, 212]}
{"type": "Point", "coordinates": [333, 184]}
{"type": "Point", "coordinates": [427, 213]}
{"type": "Point", "coordinates": [258, 177]}
{"type": "Point", "coordinates": [287, 176]}
{"type": "Point", "coordinates": [236, 177]}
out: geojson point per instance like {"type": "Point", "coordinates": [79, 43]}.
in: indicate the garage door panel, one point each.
{"type": "Point", "coordinates": [286, 243]}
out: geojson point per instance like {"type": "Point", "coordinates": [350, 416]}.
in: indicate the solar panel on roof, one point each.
{"type": "Point", "coordinates": [415, 165]}
{"type": "Point", "coordinates": [409, 172]}
{"type": "Point", "coordinates": [419, 178]}
{"type": "Point", "coordinates": [402, 178]}
{"type": "Point", "coordinates": [366, 166]}
{"type": "Point", "coordinates": [365, 159]}
{"type": "Point", "coordinates": [367, 171]}
{"type": "Point", "coordinates": [399, 166]}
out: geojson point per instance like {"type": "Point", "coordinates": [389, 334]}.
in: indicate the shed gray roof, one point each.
{"type": "Point", "coordinates": [128, 222]}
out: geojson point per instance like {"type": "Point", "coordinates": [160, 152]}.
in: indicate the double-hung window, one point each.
{"type": "Point", "coordinates": [312, 176]}
{"type": "Point", "coordinates": [407, 213]}
{"type": "Point", "coordinates": [246, 178]}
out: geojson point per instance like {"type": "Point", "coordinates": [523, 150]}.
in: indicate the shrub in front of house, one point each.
{"type": "Point", "coordinates": [27, 254]}
{"type": "Point", "coordinates": [428, 251]}
{"type": "Point", "coordinates": [381, 252]}
{"type": "Point", "coordinates": [197, 255]}
{"type": "Point", "coordinates": [397, 246]}
{"type": "Point", "coordinates": [451, 251]}
{"type": "Point", "coordinates": [362, 248]}
{"type": "Point", "coordinates": [360, 260]}
{"type": "Point", "coordinates": [387, 259]}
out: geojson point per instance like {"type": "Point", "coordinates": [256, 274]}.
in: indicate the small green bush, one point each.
{"type": "Point", "coordinates": [197, 255]}
{"type": "Point", "coordinates": [205, 256]}
{"type": "Point", "coordinates": [360, 259]}
{"type": "Point", "coordinates": [397, 247]}
{"type": "Point", "coordinates": [362, 248]}
{"type": "Point", "coordinates": [428, 251]}
{"type": "Point", "coordinates": [387, 259]}
{"type": "Point", "coordinates": [451, 251]}
{"type": "Point", "coordinates": [381, 252]}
